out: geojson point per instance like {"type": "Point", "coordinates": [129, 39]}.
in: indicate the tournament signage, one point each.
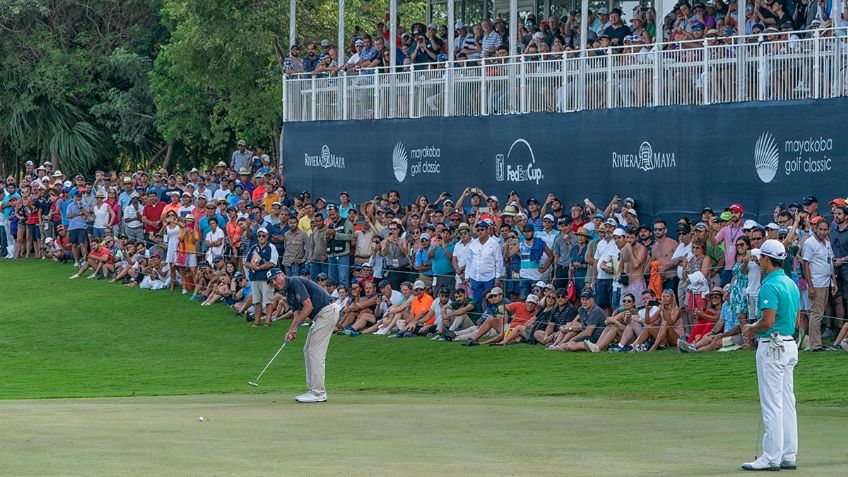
{"type": "Point", "coordinates": [673, 160]}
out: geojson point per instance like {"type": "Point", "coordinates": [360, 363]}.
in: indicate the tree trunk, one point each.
{"type": "Point", "coordinates": [166, 164]}
{"type": "Point", "coordinates": [2, 159]}
{"type": "Point", "coordinates": [54, 158]}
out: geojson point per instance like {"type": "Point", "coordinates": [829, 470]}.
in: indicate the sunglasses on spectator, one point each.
{"type": "Point", "coordinates": [659, 229]}
{"type": "Point", "coordinates": [262, 235]}
{"type": "Point", "coordinates": [627, 301]}
{"type": "Point", "coordinates": [741, 244]}
{"type": "Point", "coordinates": [322, 279]}
{"type": "Point", "coordinates": [419, 289]}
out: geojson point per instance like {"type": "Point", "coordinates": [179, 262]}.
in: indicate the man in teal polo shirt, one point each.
{"type": "Point", "coordinates": [777, 354]}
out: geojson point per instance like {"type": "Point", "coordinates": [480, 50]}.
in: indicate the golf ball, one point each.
{"type": "Point", "coordinates": [201, 418]}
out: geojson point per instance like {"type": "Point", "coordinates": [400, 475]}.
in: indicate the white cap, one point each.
{"type": "Point", "coordinates": [531, 298]}
{"type": "Point", "coordinates": [771, 248]}
{"type": "Point", "coordinates": [772, 226]}
{"type": "Point", "coordinates": [494, 198]}
{"type": "Point", "coordinates": [425, 236]}
{"type": "Point", "coordinates": [262, 230]}
{"type": "Point", "coordinates": [539, 284]}
{"type": "Point", "coordinates": [538, 35]}
{"type": "Point", "coordinates": [458, 25]}
{"type": "Point", "coordinates": [750, 224]}
{"type": "Point", "coordinates": [618, 233]}
{"type": "Point", "coordinates": [549, 217]}
{"type": "Point", "coordinates": [418, 285]}
{"type": "Point", "coordinates": [632, 212]}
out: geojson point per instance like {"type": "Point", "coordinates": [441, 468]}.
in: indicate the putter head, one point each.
{"type": "Point", "coordinates": [255, 385]}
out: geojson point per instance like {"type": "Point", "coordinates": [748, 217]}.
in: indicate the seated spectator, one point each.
{"type": "Point", "coordinates": [362, 313]}
{"type": "Point", "coordinates": [99, 260]}
{"type": "Point", "coordinates": [707, 320]}
{"type": "Point", "coordinates": [456, 315]}
{"type": "Point", "coordinates": [418, 310]}
{"type": "Point", "coordinates": [521, 322]}
{"type": "Point", "coordinates": [491, 323]}
{"type": "Point", "coordinates": [157, 274]}
{"type": "Point", "coordinates": [728, 326]}
{"type": "Point", "coordinates": [557, 312]}
{"type": "Point", "coordinates": [588, 325]}
{"type": "Point", "coordinates": [395, 312]}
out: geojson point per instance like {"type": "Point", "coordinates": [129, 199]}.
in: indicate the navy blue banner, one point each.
{"type": "Point", "coordinates": [672, 160]}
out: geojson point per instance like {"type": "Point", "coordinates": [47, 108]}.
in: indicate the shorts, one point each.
{"type": "Point", "coordinates": [594, 337]}
{"type": "Point", "coordinates": [603, 292]}
{"type": "Point", "coordinates": [34, 231]}
{"type": "Point", "coordinates": [98, 232]}
{"type": "Point", "coordinates": [262, 292]}
{"type": "Point", "coordinates": [77, 236]}
{"type": "Point", "coordinates": [753, 312]}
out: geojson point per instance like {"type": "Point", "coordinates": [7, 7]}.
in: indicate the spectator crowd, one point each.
{"type": "Point", "coordinates": [476, 269]}
{"type": "Point", "coordinates": [424, 46]}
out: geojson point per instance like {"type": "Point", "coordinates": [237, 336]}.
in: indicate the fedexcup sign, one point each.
{"type": "Point", "coordinates": [424, 161]}
{"type": "Point", "coordinates": [526, 169]}
{"type": "Point", "coordinates": [808, 155]}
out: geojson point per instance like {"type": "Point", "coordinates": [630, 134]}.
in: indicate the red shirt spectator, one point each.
{"type": "Point", "coordinates": [153, 213]}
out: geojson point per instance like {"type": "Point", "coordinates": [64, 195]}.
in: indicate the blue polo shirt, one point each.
{"type": "Point", "coordinates": [778, 292]}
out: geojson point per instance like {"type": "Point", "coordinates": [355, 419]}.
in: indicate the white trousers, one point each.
{"type": "Point", "coordinates": [777, 401]}
{"type": "Point", "coordinates": [315, 350]}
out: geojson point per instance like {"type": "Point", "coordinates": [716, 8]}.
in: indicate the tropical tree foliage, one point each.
{"type": "Point", "coordinates": [106, 84]}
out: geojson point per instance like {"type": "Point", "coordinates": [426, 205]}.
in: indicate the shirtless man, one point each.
{"type": "Point", "coordinates": [634, 255]}
{"type": "Point", "coordinates": [662, 251]}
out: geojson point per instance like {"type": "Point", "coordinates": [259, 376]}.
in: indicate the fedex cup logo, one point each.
{"type": "Point", "coordinates": [525, 171]}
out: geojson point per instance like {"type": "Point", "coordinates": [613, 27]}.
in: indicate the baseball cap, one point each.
{"type": "Point", "coordinates": [241, 142]}
{"type": "Point", "coordinates": [271, 273]}
{"type": "Point", "coordinates": [262, 230]}
{"type": "Point", "coordinates": [321, 276]}
{"type": "Point", "coordinates": [725, 216]}
{"type": "Point", "coordinates": [458, 25]}
{"type": "Point", "coordinates": [539, 284]}
{"type": "Point", "coordinates": [531, 298]}
{"type": "Point", "coordinates": [418, 285]}
{"type": "Point", "coordinates": [599, 216]}
{"type": "Point", "coordinates": [494, 198]}
{"type": "Point", "coordinates": [528, 228]}
{"type": "Point", "coordinates": [444, 292]}
{"type": "Point", "coordinates": [632, 212]}
{"type": "Point", "coordinates": [611, 222]}
{"type": "Point", "coordinates": [425, 236]}
{"type": "Point", "coordinates": [325, 43]}
{"type": "Point", "coordinates": [618, 233]}
{"type": "Point", "coordinates": [549, 217]}
{"type": "Point", "coordinates": [750, 224]}
{"type": "Point", "coordinates": [358, 43]}
{"type": "Point", "coordinates": [684, 228]}
{"type": "Point", "coordinates": [495, 291]}
{"type": "Point", "coordinates": [838, 201]}
{"type": "Point", "coordinates": [736, 208]}
{"type": "Point", "coordinates": [707, 209]}
{"type": "Point", "coordinates": [383, 283]}
{"type": "Point", "coordinates": [810, 199]}
{"type": "Point", "coordinates": [587, 293]}
{"type": "Point", "coordinates": [532, 201]}
{"type": "Point", "coordinates": [700, 226]}
{"type": "Point", "coordinates": [772, 226]}
{"type": "Point", "coordinates": [331, 207]}
{"type": "Point", "coordinates": [771, 248]}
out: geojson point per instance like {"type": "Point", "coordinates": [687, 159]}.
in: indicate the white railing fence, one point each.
{"type": "Point", "coordinates": [769, 67]}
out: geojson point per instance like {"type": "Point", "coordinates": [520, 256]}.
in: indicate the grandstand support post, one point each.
{"type": "Point", "coordinates": [816, 64]}
{"type": "Point", "coordinates": [513, 52]}
{"type": "Point", "coordinates": [584, 34]}
{"type": "Point", "coordinates": [375, 108]}
{"type": "Point", "coordinates": [292, 21]}
{"type": "Point", "coordinates": [657, 87]}
{"type": "Point", "coordinates": [285, 105]}
{"type": "Point", "coordinates": [484, 100]}
{"type": "Point", "coordinates": [562, 100]}
{"type": "Point", "coordinates": [340, 50]}
{"type": "Point", "coordinates": [609, 77]}
{"type": "Point", "coordinates": [392, 45]}
{"type": "Point", "coordinates": [523, 86]}
{"type": "Point", "coordinates": [762, 71]}
{"type": "Point", "coordinates": [411, 95]}
{"type": "Point", "coordinates": [313, 96]}
{"type": "Point", "coordinates": [451, 31]}
{"type": "Point", "coordinates": [343, 78]}
{"type": "Point", "coordinates": [705, 75]}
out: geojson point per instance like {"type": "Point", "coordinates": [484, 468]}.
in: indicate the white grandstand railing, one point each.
{"type": "Point", "coordinates": [765, 67]}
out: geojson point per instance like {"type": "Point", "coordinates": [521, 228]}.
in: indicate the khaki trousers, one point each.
{"type": "Point", "coordinates": [816, 311]}
{"type": "Point", "coordinates": [315, 350]}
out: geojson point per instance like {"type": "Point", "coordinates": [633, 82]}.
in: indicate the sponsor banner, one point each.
{"type": "Point", "coordinates": [672, 160]}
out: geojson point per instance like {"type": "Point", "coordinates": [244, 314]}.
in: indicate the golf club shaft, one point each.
{"type": "Point", "coordinates": [272, 360]}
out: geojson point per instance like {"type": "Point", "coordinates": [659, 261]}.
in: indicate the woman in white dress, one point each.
{"type": "Point", "coordinates": [103, 216]}
{"type": "Point", "coordinates": [171, 232]}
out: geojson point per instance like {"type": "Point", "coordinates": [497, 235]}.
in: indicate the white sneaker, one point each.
{"type": "Point", "coordinates": [844, 345]}
{"type": "Point", "coordinates": [73, 276]}
{"type": "Point", "coordinates": [760, 465]}
{"type": "Point", "coordinates": [591, 347]}
{"type": "Point", "coordinates": [310, 397]}
{"type": "Point", "coordinates": [381, 331]}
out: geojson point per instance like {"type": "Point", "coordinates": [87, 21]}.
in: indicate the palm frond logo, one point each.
{"type": "Point", "coordinates": [399, 162]}
{"type": "Point", "coordinates": [766, 157]}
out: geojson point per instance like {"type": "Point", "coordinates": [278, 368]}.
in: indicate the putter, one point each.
{"type": "Point", "coordinates": [255, 384]}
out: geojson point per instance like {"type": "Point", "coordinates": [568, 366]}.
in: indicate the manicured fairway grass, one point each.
{"type": "Point", "coordinates": [397, 407]}
{"type": "Point", "coordinates": [86, 338]}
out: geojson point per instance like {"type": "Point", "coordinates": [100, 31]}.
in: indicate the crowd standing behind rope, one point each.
{"type": "Point", "coordinates": [477, 270]}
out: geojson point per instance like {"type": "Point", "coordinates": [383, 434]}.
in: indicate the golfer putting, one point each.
{"type": "Point", "coordinates": [312, 302]}
{"type": "Point", "coordinates": [777, 354]}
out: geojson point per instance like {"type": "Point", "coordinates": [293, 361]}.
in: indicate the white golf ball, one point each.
{"type": "Point", "coordinates": [201, 418]}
